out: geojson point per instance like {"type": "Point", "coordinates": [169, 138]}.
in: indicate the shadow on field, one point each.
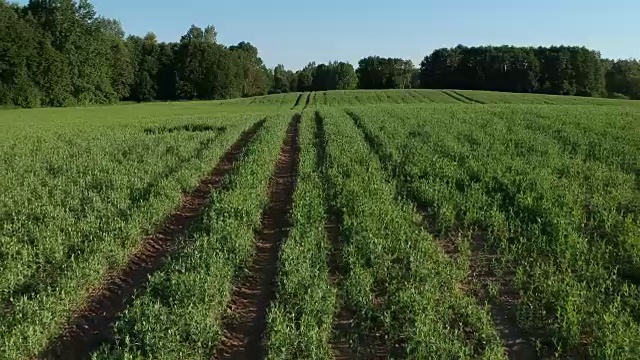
{"type": "Point", "coordinates": [297, 102]}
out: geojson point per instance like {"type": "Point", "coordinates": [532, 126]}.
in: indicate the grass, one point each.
{"type": "Point", "coordinates": [551, 181]}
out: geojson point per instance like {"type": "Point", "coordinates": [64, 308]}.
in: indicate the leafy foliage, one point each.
{"type": "Point", "coordinates": [375, 72]}
{"type": "Point", "coordinates": [60, 53]}
{"type": "Point", "coordinates": [398, 283]}
{"type": "Point", "coordinates": [555, 70]}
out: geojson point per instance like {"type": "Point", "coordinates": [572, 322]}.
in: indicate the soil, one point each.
{"type": "Point", "coordinates": [503, 307]}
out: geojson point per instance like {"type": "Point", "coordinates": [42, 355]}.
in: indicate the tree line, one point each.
{"type": "Point", "coordinates": [61, 53]}
{"type": "Point", "coordinates": [562, 70]}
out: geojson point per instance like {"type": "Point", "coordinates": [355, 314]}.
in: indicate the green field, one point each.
{"type": "Point", "coordinates": [420, 224]}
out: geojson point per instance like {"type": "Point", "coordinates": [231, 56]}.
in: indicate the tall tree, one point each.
{"type": "Point", "coordinates": [375, 72]}
{"type": "Point", "coordinates": [121, 67]}
{"type": "Point", "coordinates": [304, 77]}
{"type": "Point", "coordinates": [254, 81]}
{"type": "Point", "coordinates": [623, 78]}
{"type": "Point", "coordinates": [145, 54]}
{"type": "Point", "coordinates": [281, 82]}
{"type": "Point", "coordinates": [166, 76]}
{"type": "Point", "coordinates": [345, 76]}
{"type": "Point", "coordinates": [19, 42]}
{"type": "Point", "coordinates": [206, 70]}
{"type": "Point", "coordinates": [323, 78]}
{"type": "Point", "coordinates": [554, 70]}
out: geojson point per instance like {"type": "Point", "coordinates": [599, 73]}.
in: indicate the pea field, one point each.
{"type": "Point", "coordinates": [395, 224]}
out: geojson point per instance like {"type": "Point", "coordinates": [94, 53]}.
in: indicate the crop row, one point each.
{"type": "Point", "coordinates": [422, 96]}
{"type": "Point", "coordinates": [284, 101]}
{"type": "Point", "coordinates": [369, 97]}
{"type": "Point", "coordinates": [491, 97]}
{"type": "Point", "coordinates": [400, 287]}
{"type": "Point", "coordinates": [181, 313]}
{"type": "Point", "coordinates": [77, 204]}
{"type": "Point", "coordinates": [301, 317]}
{"type": "Point", "coordinates": [557, 196]}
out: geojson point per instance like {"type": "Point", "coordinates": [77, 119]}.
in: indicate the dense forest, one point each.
{"type": "Point", "coordinates": [559, 70]}
{"type": "Point", "coordinates": [61, 53]}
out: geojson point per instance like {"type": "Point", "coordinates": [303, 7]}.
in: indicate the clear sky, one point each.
{"type": "Point", "coordinates": [296, 32]}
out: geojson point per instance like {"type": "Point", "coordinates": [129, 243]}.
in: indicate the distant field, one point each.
{"type": "Point", "coordinates": [415, 224]}
{"type": "Point", "coordinates": [422, 96]}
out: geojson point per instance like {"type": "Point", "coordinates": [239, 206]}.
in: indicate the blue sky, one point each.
{"type": "Point", "coordinates": [296, 32]}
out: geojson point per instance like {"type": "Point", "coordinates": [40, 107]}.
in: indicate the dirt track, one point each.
{"type": "Point", "coordinates": [243, 335]}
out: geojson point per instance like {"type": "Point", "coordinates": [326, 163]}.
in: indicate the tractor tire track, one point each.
{"type": "Point", "coordinates": [297, 101]}
{"type": "Point", "coordinates": [456, 97]}
{"type": "Point", "coordinates": [420, 97]}
{"type": "Point", "coordinates": [306, 103]}
{"type": "Point", "coordinates": [502, 311]}
{"type": "Point", "coordinates": [467, 97]}
{"type": "Point", "coordinates": [92, 324]}
{"type": "Point", "coordinates": [243, 335]}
